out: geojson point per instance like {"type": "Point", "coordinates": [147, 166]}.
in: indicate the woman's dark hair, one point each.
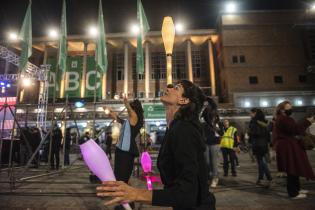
{"type": "Point", "coordinates": [259, 114]}
{"type": "Point", "coordinates": [137, 107]}
{"type": "Point", "coordinates": [191, 111]}
{"type": "Point", "coordinates": [210, 112]}
{"type": "Point", "coordinates": [280, 107]}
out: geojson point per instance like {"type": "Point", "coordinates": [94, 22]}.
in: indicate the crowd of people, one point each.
{"type": "Point", "coordinates": [188, 159]}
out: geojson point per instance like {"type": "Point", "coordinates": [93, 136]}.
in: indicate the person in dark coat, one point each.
{"type": "Point", "coordinates": [67, 147]}
{"type": "Point", "coordinates": [260, 138]}
{"type": "Point", "coordinates": [181, 160]}
{"type": "Point", "coordinates": [291, 157]}
{"type": "Point", "coordinates": [108, 142]}
{"type": "Point", "coordinates": [55, 147]}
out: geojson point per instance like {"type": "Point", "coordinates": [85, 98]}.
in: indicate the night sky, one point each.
{"type": "Point", "coordinates": [119, 14]}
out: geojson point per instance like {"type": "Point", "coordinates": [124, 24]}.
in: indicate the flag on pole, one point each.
{"type": "Point", "coordinates": [26, 39]}
{"type": "Point", "coordinates": [62, 54]}
{"type": "Point", "coordinates": [101, 52]}
{"type": "Point", "coordinates": [144, 28]}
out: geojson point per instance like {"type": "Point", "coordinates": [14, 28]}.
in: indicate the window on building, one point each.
{"type": "Point", "coordinates": [158, 63]}
{"type": "Point", "coordinates": [118, 65]}
{"type": "Point", "coordinates": [278, 79]}
{"type": "Point", "coordinates": [198, 64]}
{"type": "Point", "coordinates": [179, 65]}
{"type": "Point", "coordinates": [235, 59]}
{"type": "Point", "coordinates": [242, 59]}
{"type": "Point", "coordinates": [119, 75]}
{"type": "Point", "coordinates": [253, 80]}
{"type": "Point", "coordinates": [302, 78]}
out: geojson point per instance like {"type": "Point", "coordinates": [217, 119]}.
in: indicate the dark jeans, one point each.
{"type": "Point", "coordinates": [54, 154]}
{"type": "Point", "coordinates": [108, 152]}
{"type": "Point", "coordinates": [123, 168]}
{"type": "Point", "coordinates": [67, 157]}
{"type": "Point", "coordinates": [228, 157]}
{"type": "Point", "coordinates": [293, 185]}
{"type": "Point", "coordinates": [262, 168]}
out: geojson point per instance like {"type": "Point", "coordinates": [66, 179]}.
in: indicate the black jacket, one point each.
{"type": "Point", "coordinates": [183, 169]}
{"type": "Point", "coordinates": [259, 136]}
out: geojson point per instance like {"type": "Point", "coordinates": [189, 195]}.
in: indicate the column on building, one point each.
{"type": "Point", "coordinates": [212, 68]}
{"type": "Point", "coordinates": [83, 80]}
{"type": "Point", "coordinates": [189, 62]}
{"type": "Point", "coordinates": [126, 57]}
{"type": "Point", "coordinates": [147, 70]}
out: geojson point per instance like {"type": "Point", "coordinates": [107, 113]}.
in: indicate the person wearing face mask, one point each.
{"type": "Point", "coordinates": [291, 157]}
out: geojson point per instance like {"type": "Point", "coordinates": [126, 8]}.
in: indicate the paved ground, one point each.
{"type": "Point", "coordinates": [72, 190]}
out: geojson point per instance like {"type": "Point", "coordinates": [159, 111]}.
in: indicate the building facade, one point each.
{"type": "Point", "coordinates": [247, 58]}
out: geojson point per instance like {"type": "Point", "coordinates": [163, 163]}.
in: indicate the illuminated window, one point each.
{"type": "Point", "coordinates": [118, 65]}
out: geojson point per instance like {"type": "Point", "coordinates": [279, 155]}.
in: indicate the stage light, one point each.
{"type": "Point", "coordinates": [53, 33]}
{"type": "Point", "coordinates": [157, 124]}
{"type": "Point", "coordinates": [2, 84]}
{"type": "Point", "coordinates": [8, 85]}
{"type": "Point", "coordinates": [135, 29]}
{"type": "Point", "coordinates": [312, 7]}
{"type": "Point", "coordinates": [179, 27]}
{"type": "Point", "coordinates": [230, 7]}
{"type": "Point", "coordinates": [79, 104]}
{"type": "Point", "coordinates": [247, 104]}
{"type": "Point", "coordinates": [264, 103]}
{"type": "Point", "coordinates": [299, 102]}
{"type": "Point", "coordinates": [26, 82]}
{"type": "Point", "coordinates": [12, 36]}
{"type": "Point", "coordinates": [93, 32]}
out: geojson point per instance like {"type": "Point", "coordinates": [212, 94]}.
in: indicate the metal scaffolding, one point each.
{"type": "Point", "coordinates": [32, 71]}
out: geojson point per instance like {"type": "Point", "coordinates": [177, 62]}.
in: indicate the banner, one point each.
{"type": "Point", "coordinates": [51, 78]}
{"type": "Point", "coordinates": [91, 80]}
{"type": "Point", "coordinates": [154, 111]}
{"type": "Point", "coordinates": [73, 77]}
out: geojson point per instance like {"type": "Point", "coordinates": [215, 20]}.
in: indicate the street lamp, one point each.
{"type": "Point", "coordinates": [168, 36]}
{"type": "Point", "coordinates": [12, 36]}
{"type": "Point", "coordinates": [53, 33]}
{"type": "Point", "coordinates": [135, 29]}
{"type": "Point", "coordinates": [179, 27]}
{"type": "Point", "coordinates": [230, 7]}
{"type": "Point", "coordinates": [93, 32]}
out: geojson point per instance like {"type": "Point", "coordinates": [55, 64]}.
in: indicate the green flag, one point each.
{"type": "Point", "coordinates": [101, 52]}
{"type": "Point", "coordinates": [62, 54]}
{"type": "Point", "coordinates": [26, 39]}
{"type": "Point", "coordinates": [144, 28]}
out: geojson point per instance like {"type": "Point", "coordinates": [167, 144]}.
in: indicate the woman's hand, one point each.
{"type": "Point", "coordinates": [110, 112]}
{"type": "Point", "coordinates": [123, 193]}
{"type": "Point", "coordinates": [119, 191]}
{"type": "Point", "coordinates": [125, 98]}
